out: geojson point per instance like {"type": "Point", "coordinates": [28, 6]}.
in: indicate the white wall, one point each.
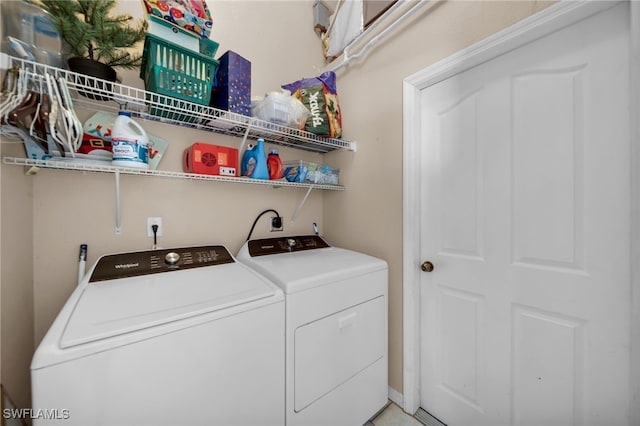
{"type": "Point", "coordinates": [368, 216]}
{"type": "Point", "coordinates": [16, 278]}
{"type": "Point", "coordinates": [68, 208]}
{"type": "Point", "coordinates": [46, 217]}
{"type": "Point", "coordinates": [73, 208]}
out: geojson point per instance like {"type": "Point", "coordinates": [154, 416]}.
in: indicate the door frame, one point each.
{"type": "Point", "coordinates": [553, 18]}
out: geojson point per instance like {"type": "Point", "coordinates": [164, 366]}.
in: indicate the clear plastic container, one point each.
{"type": "Point", "coordinates": [295, 171]}
{"type": "Point", "coordinates": [27, 32]}
{"type": "Point", "coordinates": [309, 172]}
{"type": "Point", "coordinates": [281, 108]}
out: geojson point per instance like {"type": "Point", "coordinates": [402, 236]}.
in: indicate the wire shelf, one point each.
{"type": "Point", "coordinates": [100, 168]}
{"type": "Point", "coordinates": [152, 106]}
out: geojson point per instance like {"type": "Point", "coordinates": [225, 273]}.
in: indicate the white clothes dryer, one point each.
{"type": "Point", "coordinates": [183, 336]}
{"type": "Point", "coordinates": [336, 322]}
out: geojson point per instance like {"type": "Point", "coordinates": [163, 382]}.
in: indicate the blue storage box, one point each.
{"type": "Point", "coordinates": [232, 91]}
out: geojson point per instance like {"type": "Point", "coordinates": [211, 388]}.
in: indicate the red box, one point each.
{"type": "Point", "coordinates": [209, 159]}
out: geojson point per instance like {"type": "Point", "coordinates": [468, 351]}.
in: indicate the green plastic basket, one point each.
{"type": "Point", "coordinates": [171, 70]}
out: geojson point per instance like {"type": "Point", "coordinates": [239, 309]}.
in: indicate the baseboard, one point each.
{"type": "Point", "coordinates": [396, 397]}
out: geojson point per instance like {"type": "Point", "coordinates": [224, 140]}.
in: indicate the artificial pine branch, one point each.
{"type": "Point", "coordinates": [93, 32]}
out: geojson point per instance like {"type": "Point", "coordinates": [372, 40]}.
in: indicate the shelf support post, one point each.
{"type": "Point", "coordinates": [118, 227]}
{"type": "Point", "coordinates": [244, 139]}
{"type": "Point", "coordinates": [304, 200]}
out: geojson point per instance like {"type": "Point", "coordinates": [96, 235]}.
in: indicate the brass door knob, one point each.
{"type": "Point", "coordinates": [426, 266]}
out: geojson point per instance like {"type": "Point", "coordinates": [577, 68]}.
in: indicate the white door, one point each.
{"type": "Point", "coordinates": [525, 213]}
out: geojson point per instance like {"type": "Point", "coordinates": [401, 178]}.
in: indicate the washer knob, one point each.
{"type": "Point", "coordinates": [172, 258]}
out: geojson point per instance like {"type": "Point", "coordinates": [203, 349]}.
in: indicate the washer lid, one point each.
{"type": "Point", "coordinates": [109, 308]}
{"type": "Point", "coordinates": [297, 271]}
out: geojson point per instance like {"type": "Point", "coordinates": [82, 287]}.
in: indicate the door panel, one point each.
{"type": "Point", "coordinates": [548, 367]}
{"type": "Point", "coordinates": [546, 136]}
{"type": "Point", "coordinates": [460, 314]}
{"type": "Point", "coordinates": [457, 155]}
{"type": "Point", "coordinates": [525, 209]}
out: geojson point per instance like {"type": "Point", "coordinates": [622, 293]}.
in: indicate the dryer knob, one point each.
{"type": "Point", "coordinates": [172, 258]}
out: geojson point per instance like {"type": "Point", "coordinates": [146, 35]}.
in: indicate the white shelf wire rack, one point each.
{"type": "Point", "coordinates": [107, 168]}
{"type": "Point", "coordinates": [152, 106]}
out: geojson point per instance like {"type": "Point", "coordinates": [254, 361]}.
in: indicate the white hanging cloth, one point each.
{"type": "Point", "coordinates": [346, 26]}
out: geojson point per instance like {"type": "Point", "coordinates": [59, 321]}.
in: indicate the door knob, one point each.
{"type": "Point", "coordinates": [426, 266]}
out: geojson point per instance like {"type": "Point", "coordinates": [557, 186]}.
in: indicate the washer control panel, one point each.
{"type": "Point", "coordinates": [285, 245]}
{"type": "Point", "coordinates": [134, 264]}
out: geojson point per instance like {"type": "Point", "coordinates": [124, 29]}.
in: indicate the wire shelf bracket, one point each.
{"type": "Point", "coordinates": [118, 217]}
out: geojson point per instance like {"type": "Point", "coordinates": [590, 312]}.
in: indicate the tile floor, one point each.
{"type": "Point", "coordinates": [394, 416]}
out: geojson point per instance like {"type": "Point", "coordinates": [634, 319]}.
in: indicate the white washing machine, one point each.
{"type": "Point", "coordinates": [336, 321]}
{"type": "Point", "coordinates": [184, 336]}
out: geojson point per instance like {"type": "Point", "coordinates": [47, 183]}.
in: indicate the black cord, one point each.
{"type": "Point", "coordinates": [154, 228]}
{"type": "Point", "coordinates": [256, 221]}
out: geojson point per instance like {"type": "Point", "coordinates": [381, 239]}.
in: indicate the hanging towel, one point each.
{"type": "Point", "coordinates": [346, 27]}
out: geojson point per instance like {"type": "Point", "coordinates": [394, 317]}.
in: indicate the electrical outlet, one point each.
{"type": "Point", "coordinates": [277, 224]}
{"type": "Point", "coordinates": [154, 221]}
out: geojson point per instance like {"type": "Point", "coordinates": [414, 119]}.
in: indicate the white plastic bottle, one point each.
{"type": "Point", "coordinates": [130, 143]}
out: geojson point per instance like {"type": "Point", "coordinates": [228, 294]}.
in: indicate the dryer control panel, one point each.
{"type": "Point", "coordinates": [285, 245]}
{"type": "Point", "coordinates": [134, 264]}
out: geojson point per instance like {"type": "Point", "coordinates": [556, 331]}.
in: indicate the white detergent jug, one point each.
{"type": "Point", "coordinates": [130, 143]}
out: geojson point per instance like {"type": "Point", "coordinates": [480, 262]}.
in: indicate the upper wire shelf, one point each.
{"type": "Point", "coordinates": [153, 106]}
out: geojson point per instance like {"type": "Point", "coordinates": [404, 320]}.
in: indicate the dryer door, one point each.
{"type": "Point", "coordinates": [333, 349]}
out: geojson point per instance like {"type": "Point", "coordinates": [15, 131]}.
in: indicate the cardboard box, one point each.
{"type": "Point", "coordinates": [192, 15]}
{"type": "Point", "coordinates": [232, 91]}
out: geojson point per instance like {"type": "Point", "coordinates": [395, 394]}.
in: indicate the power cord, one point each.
{"type": "Point", "coordinates": [154, 228]}
{"type": "Point", "coordinates": [259, 216]}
